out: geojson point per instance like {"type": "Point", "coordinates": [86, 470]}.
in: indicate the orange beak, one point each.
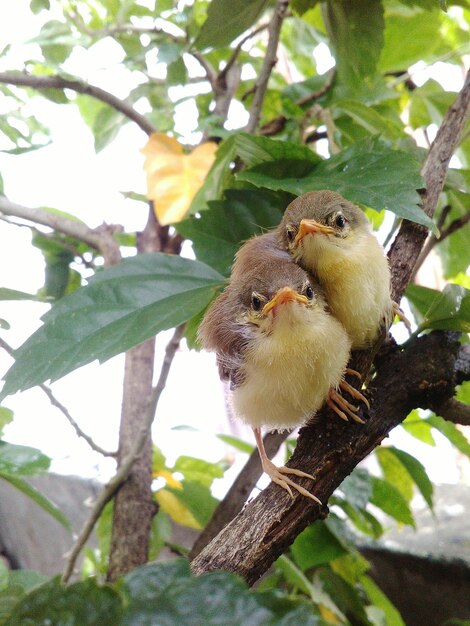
{"type": "Point", "coordinates": [286, 294]}
{"type": "Point", "coordinates": [311, 227]}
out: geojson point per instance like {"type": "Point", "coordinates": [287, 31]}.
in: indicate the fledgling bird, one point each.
{"type": "Point", "coordinates": [332, 238]}
{"type": "Point", "coordinates": [282, 352]}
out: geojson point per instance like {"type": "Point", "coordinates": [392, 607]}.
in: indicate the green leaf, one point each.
{"type": "Point", "coordinates": [417, 472]}
{"type": "Point", "coordinates": [387, 497]}
{"type": "Point", "coordinates": [420, 298]}
{"type": "Point", "coordinates": [13, 294]}
{"type": "Point", "coordinates": [237, 443]}
{"type": "Point", "coordinates": [357, 41]}
{"type": "Point", "coordinates": [165, 593]}
{"type": "Point", "coordinates": [218, 232]}
{"type": "Point", "coordinates": [198, 470]}
{"type": "Point", "coordinates": [299, 7]}
{"type": "Point", "coordinates": [80, 604]}
{"type": "Point", "coordinates": [368, 173]}
{"type": "Point", "coordinates": [364, 521]}
{"type": "Point", "coordinates": [418, 427]}
{"type": "Point", "coordinates": [316, 545]}
{"type": "Point", "coordinates": [160, 534]}
{"type": "Point", "coordinates": [38, 5]}
{"type": "Point", "coordinates": [378, 598]}
{"type": "Point", "coordinates": [453, 434]}
{"type": "Point", "coordinates": [236, 16]}
{"type": "Point", "coordinates": [254, 150]}
{"type": "Point", "coordinates": [450, 310]}
{"type": "Point", "coordinates": [119, 308]}
{"type": "Point", "coordinates": [22, 460]}
{"type": "Point", "coordinates": [369, 119]}
{"type": "Point", "coordinates": [395, 472]}
{"type": "Point", "coordinates": [6, 416]}
{"type": "Point", "coordinates": [37, 497]}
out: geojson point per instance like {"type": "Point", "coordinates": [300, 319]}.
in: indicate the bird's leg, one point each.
{"type": "Point", "coordinates": [401, 316]}
{"type": "Point", "coordinates": [277, 474]}
{"type": "Point", "coordinates": [342, 407]}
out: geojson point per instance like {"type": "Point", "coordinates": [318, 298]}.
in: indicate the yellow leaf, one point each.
{"type": "Point", "coordinates": [174, 178]}
{"type": "Point", "coordinates": [170, 479]}
{"type": "Point", "coordinates": [176, 509]}
{"type": "Point", "coordinates": [328, 615]}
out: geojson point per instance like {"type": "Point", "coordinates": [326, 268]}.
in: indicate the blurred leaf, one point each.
{"type": "Point", "coordinates": [454, 251]}
{"type": "Point", "coordinates": [347, 596]}
{"type": "Point", "coordinates": [236, 17]}
{"type": "Point", "coordinates": [357, 42]}
{"type": "Point", "coordinates": [198, 470]}
{"type": "Point", "coordinates": [13, 294]}
{"type": "Point", "coordinates": [387, 497]}
{"type": "Point", "coordinates": [37, 497]}
{"type": "Point", "coordinates": [218, 233]}
{"type": "Point", "coordinates": [254, 150]}
{"type": "Point", "coordinates": [174, 178]}
{"type": "Point", "coordinates": [368, 173]}
{"type": "Point", "coordinates": [302, 6]}
{"type": "Point", "coordinates": [119, 308]}
{"type": "Point", "coordinates": [417, 472]}
{"type": "Point", "coordinates": [197, 499]}
{"type": "Point", "coordinates": [39, 5]}
{"type": "Point", "coordinates": [79, 604]}
{"type": "Point", "coordinates": [450, 310]}
{"type": "Point", "coordinates": [6, 416]}
{"type": "Point", "coordinates": [357, 487]}
{"type": "Point", "coordinates": [22, 460]}
{"type": "Point", "coordinates": [378, 598]}
{"type": "Point", "coordinates": [453, 434]}
{"type": "Point", "coordinates": [395, 472]}
{"type": "Point", "coordinates": [364, 521]}
{"type": "Point", "coordinates": [420, 299]}
{"type": "Point", "coordinates": [370, 119]}
{"type": "Point", "coordinates": [316, 545]}
{"type": "Point", "coordinates": [176, 509]}
{"type": "Point", "coordinates": [419, 428]}
{"type": "Point", "coordinates": [237, 443]}
{"type": "Point", "coordinates": [160, 534]}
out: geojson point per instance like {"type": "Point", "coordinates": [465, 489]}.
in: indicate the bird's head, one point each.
{"type": "Point", "coordinates": [321, 224]}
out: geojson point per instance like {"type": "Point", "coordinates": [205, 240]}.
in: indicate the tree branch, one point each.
{"type": "Point", "coordinates": [454, 411]}
{"type": "Point", "coordinates": [101, 238]}
{"type": "Point", "coordinates": [269, 62]}
{"type": "Point", "coordinates": [405, 250]}
{"type": "Point", "coordinates": [329, 449]}
{"type": "Point", "coordinates": [58, 82]}
{"type": "Point", "coordinates": [124, 470]}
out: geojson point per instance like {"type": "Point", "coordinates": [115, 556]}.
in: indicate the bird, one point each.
{"type": "Point", "coordinates": [332, 238]}
{"type": "Point", "coordinates": [281, 351]}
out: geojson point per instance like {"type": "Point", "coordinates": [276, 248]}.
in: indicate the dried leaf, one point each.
{"type": "Point", "coordinates": [173, 177]}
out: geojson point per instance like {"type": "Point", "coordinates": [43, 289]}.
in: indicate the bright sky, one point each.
{"type": "Point", "coordinates": [68, 175]}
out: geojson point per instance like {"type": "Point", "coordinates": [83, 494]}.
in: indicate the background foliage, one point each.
{"type": "Point", "coordinates": [363, 129]}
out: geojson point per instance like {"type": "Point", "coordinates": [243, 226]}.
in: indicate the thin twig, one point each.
{"type": "Point", "coordinates": [101, 238]}
{"type": "Point", "coordinates": [58, 82]}
{"type": "Point", "coordinates": [123, 471]}
{"type": "Point", "coordinates": [269, 62]}
{"type": "Point", "coordinates": [241, 43]}
{"type": "Point", "coordinates": [432, 240]}
{"type": "Point", "coordinates": [63, 409]}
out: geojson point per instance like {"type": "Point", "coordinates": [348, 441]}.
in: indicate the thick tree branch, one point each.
{"type": "Point", "coordinates": [101, 238]}
{"type": "Point", "coordinates": [269, 62]}
{"type": "Point", "coordinates": [407, 378]}
{"type": "Point", "coordinates": [454, 411]}
{"type": "Point", "coordinates": [330, 449]}
{"type": "Point", "coordinates": [124, 470]}
{"type": "Point", "coordinates": [58, 82]}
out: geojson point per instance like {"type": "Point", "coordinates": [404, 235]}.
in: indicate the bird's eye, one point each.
{"type": "Point", "coordinates": [309, 292]}
{"type": "Point", "coordinates": [290, 233]}
{"type": "Point", "coordinates": [255, 303]}
{"type": "Point", "coordinates": [340, 221]}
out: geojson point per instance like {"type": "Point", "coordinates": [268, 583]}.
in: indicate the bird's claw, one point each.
{"type": "Point", "coordinates": [342, 407]}
{"type": "Point", "coordinates": [401, 316]}
{"type": "Point", "coordinates": [355, 393]}
{"type": "Point", "coordinates": [278, 476]}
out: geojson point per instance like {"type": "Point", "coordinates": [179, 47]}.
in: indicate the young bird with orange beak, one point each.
{"type": "Point", "coordinates": [282, 352]}
{"type": "Point", "coordinates": [332, 238]}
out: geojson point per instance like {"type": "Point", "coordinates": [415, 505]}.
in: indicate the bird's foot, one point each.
{"type": "Point", "coordinates": [342, 407]}
{"type": "Point", "coordinates": [354, 393]}
{"type": "Point", "coordinates": [401, 316]}
{"type": "Point", "coordinates": [278, 476]}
